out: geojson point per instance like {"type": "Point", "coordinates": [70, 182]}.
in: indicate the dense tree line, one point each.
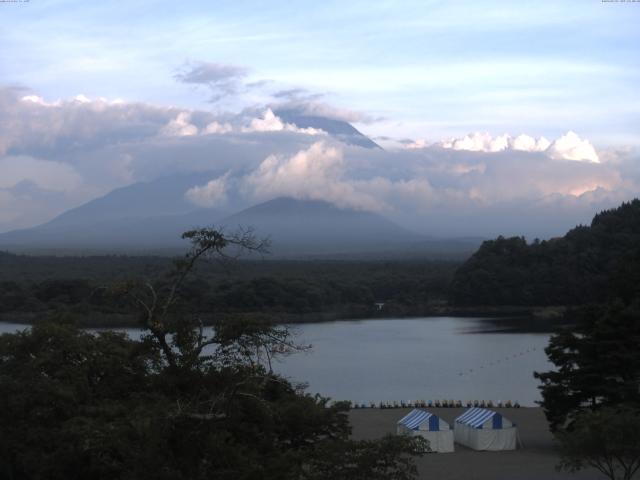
{"type": "Point", "coordinates": [268, 287]}
{"type": "Point", "coordinates": [590, 264]}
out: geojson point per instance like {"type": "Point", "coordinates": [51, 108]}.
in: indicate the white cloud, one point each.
{"type": "Point", "coordinates": [315, 173]}
{"type": "Point", "coordinates": [39, 101]}
{"type": "Point", "coordinates": [270, 122]}
{"type": "Point", "coordinates": [322, 173]}
{"type": "Point", "coordinates": [568, 147]}
{"type": "Point", "coordinates": [525, 143]}
{"type": "Point", "coordinates": [571, 147]}
{"type": "Point", "coordinates": [212, 194]}
{"type": "Point", "coordinates": [180, 126]}
{"type": "Point", "coordinates": [217, 128]}
{"type": "Point", "coordinates": [478, 142]}
{"type": "Point", "coordinates": [416, 144]}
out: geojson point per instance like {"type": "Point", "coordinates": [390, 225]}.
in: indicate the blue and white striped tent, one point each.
{"type": "Point", "coordinates": [483, 429]}
{"type": "Point", "coordinates": [429, 426]}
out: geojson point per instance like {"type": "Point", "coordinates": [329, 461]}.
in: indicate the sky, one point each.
{"type": "Point", "coordinates": [86, 86]}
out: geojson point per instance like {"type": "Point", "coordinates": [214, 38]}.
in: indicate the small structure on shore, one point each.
{"type": "Point", "coordinates": [482, 429]}
{"type": "Point", "coordinates": [428, 426]}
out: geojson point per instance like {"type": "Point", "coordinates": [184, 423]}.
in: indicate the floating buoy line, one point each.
{"type": "Point", "coordinates": [436, 404]}
{"type": "Point", "coordinates": [499, 361]}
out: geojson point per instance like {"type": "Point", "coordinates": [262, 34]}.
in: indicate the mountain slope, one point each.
{"type": "Point", "coordinates": [317, 227]}
{"type": "Point", "coordinates": [164, 196]}
{"type": "Point", "coordinates": [343, 131]}
{"type": "Point", "coordinates": [150, 218]}
{"type": "Point", "coordinates": [141, 216]}
{"type": "Point", "coordinates": [113, 234]}
{"type": "Point", "coordinates": [589, 264]}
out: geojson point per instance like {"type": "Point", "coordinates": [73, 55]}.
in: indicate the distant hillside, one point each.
{"type": "Point", "coordinates": [163, 196]}
{"type": "Point", "coordinates": [296, 227]}
{"type": "Point", "coordinates": [126, 234]}
{"type": "Point", "coordinates": [140, 217]}
{"type": "Point", "coordinates": [149, 218]}
{"type": "Point", "coordinates": [311, 227]}
{"type": "Point", "coordinates": [589, 264]}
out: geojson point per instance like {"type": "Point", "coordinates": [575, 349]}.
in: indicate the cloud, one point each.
{"type": "Point", "coordinates": [296, 94]}
{"type": "Point", "coordinates": [270, 122]}
{"type": "Point", "coordinates": [217, 128]}
{"type": "Point", "coordinates": [47, 175]}
{"type": "Point", "coordinates": [58, 153]}
{"type": "Point", "coordinates": [310, 106]}
{"type": "Point", "coordinates": [525, 143]}
{"type": "Point", "coordinates": [210, 195]}
{"type": "Point", "coordinates": [414, 144]}
{"type": "Point", "coordinates": [31, 190]}
{"type": "Point", "coordinates": [221, 79]}
{"type": "Point", "coordinates": [320, 172]}
{"type": "Point", "coordinates": [571, 147]}
{"type": "Point", "coordinates": [209, 73]}
{"type": "Point", "coordinates": [8, 212]}
{"type": "Point", "coordinates": [315, 173]}
{"type": "Point", "coordinates": [568, 147]}
{"type": "Point", "coordinates": [483, 142]}
{"type": "Point", "coordinates": [34, 126]}
{"type": "Point", "coordinates": [180, 126]}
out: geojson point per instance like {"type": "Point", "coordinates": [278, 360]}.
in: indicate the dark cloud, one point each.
{"type": "Point", "coordinates": [207, 73]}
{"type": "Point", "coordinates": [221, 79]}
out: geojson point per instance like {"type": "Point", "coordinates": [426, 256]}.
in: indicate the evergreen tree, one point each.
{"type": "Point", "coordinates": [597, 363]}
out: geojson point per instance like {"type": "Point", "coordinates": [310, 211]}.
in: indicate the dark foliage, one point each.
{"type": "Point", "coordinates": [177, 404]}
{"type": "Point", "coordinates": [597, 363]}
{"type": "Point", "coordinates": [607, 440]}
{"type": "Point", "coordinates": [75, 405]}
{"type": "Point", "coordinates": [587, 265]}
{"type": "Point", "coordinates": [281, 289]}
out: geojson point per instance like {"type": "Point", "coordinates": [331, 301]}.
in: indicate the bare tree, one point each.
{"type": "Point", "coordinates": [181, 338]}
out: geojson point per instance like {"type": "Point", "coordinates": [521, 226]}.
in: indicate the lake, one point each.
{"type": "Point", "coordinates": [433, 358]}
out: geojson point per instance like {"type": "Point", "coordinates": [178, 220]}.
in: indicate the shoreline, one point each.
{"type": "Point", "coordinates": [535, 459]}
{"type": "Point", "coordinates": [544, 316]}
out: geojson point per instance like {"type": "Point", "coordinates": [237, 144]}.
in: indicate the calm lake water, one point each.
{"type": "Point", "coordinates": [431, 358]}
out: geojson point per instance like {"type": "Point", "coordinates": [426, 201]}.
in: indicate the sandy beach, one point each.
{"type": "Point", "coordinates": [536, 459]}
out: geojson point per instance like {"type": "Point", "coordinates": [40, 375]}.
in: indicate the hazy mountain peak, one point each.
{"type": "Point", "coordinates": [340, 129]}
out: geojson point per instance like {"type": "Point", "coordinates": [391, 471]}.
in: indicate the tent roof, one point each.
{"type": "Point", "coordinates": [415, 418]}
{"type": "Point", "coordinates": [476, 417]}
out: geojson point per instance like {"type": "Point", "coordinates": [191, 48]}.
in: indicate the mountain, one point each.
{"type": "Point", "coordinates": [139, 217]}
{"type": "Point", "coordinates": [589, 264]}
{"type": "Point", "coordinates": [298, 227]}
{"type": "Point", "coordinates": [343, 131]}
{"type": "Point", "coordinates": [130, 234]}
{"type": "Point", "coordinates": [150, 218]}
{"type": "Point", "coordinates": [163, 196]}
{"type": "Point", "coordinates": [295, 227]}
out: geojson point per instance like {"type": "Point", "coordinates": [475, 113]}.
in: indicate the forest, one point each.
{"type": "Point", "coordinates": [304, 290]}
{"type": "Point", "coordinates": [590, 264]}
